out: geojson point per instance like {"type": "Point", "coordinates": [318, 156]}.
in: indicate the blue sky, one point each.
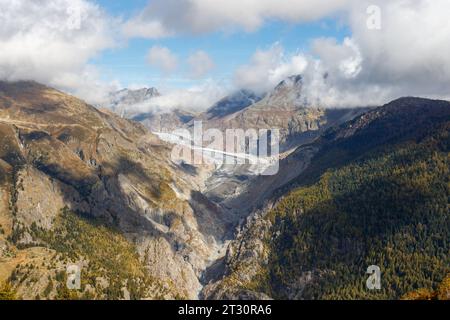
{"type": "Point", "coordinates": [197, 51]}
{"type": "Point", "coordinates": [128, 63]}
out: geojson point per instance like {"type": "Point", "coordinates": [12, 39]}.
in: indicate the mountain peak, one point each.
{"type": "Point", "coordinates": [288, 93]}
{"type": "Point", "coordinates": [136, 94]}
{"type": "Point", "coordinates": [233, 103]}
{"type": "Point", "coordinates": [122, 101]}
{"type": "Point", "coordinates": [294, 80]}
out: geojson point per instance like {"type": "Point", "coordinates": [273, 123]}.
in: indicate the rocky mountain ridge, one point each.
{"type": "Point", "coordinates": [361, 200]}
{"type": "Point", "coordinates": [87, 187]}
{"type": "Point", "coordinates": [63, 158]}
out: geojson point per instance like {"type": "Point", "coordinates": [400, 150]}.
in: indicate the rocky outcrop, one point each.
{"type": "Point", "coordinates": [371, 187]}
{"type": "Point", "coordinates": [58, 152]}
{"type": "Point", "coordinates": [164, 121]}
{"type": "Point", "coordinates": [244, 264]}
{"type": "Point", "coordinates": [285, 108]}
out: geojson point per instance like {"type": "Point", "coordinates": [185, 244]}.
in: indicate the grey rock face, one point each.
{"type": "Point", "coordinates": [232, 103]}
{"type": "Point", "coordinates": [164, 121]}
{"type": "Point", "coordinates": [123, 101]}
{"type": "Point", "coordinates": [179, 220]}
{"type": "Point", "coordinates": [245, 260]}
{"type": "Point", "coordinates": [285, 108]}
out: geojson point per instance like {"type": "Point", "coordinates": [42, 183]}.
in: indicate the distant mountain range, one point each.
{"type": "Point", "coordinates": [285, 108]}
{"type": "Point", "coordinates": [88, 187]}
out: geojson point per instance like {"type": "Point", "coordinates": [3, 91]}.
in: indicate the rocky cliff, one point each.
{"type": "Point", "coordinates": [61, 159]}
{"type": "Point", "coordinates": [375, 192]}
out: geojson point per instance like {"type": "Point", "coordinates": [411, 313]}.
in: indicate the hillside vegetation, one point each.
{"type": "Point", "coordinates": [80, 185]}
{"type": "Point", "coordinates": [377, 193]}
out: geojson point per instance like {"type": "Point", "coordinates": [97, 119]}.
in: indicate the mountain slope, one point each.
{"type": "Point", "coordinates": [299, 122]}
{"type": "Point", "coordinates": [63, 160]}
{"type": "Point", "coordinates": [286, 109]}
{"type": "Point", "coordinates": [164, 121]}
{"type": "Point", "coordinates": [232, 104]}
{"type": "Point", "coordinates": [375, 193]}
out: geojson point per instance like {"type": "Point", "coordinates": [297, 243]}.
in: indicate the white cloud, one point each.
{"type": "Point", "coordinates": [268, 68]}
{"type": "Point", "coordinates": [411, 51]}
{"type": "Point", "coordinates": [52, 41]}
{"type": "Point", "coordinates": [163, 59]}
{"type": "Point", "coordinates": [200, 64]}
{"type": "Point", "coordinates": [44, 40]}
{"type": "Point", "coordinates": [196, 98]}
{"type": "Point", "coordinates": [87, 85]}
{"type": "Point", "coordinates": [344, 59]}
{"type": "Point", "coordinates": [409, 55]}
{"type": "Point", "coordinates": [167, 17]}
{"type": "Point", "coordinates": [145, 29]}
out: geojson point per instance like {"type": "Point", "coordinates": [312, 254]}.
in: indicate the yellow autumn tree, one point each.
{"type": "Point", "coordinates": [7, 292]}
{"type": "Point", "coordinates": [443, 292]}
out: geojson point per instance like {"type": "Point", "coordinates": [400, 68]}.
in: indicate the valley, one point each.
{"type": "Point", "coordinates": [83, 186]}
{"type": "Point", "coordinates": [187, 151]}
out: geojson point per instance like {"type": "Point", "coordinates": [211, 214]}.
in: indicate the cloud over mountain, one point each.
{"type": "Point", "coordinates": [55, 42]}
{"type": "Point", "coordinates": [267, 68]}
{"type": "Point", "coordinates": [52, 41]}
{"type": "Point", "coordinates": [195, 98]}
{"type": "Point", "coordinates": [372, 65]}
